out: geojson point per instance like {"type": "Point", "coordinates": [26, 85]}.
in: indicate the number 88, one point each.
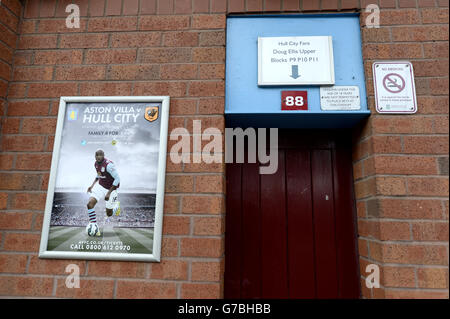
{"type": "Point", "coordinates": [297, 101]}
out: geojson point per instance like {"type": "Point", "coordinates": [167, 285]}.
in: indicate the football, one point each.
{"type": "Point", "coordinates": [92, 229]}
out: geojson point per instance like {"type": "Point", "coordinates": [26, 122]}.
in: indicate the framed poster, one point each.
{"type": "Point", "coordinates": [106, 189]}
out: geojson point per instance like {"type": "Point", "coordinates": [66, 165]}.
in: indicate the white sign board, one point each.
{"type": "Point", "coordinates": [340, 98]}
{"type": "Point", "coordinates": [295, 61]}
{"type": "Point", "coordinates": [394, 87]}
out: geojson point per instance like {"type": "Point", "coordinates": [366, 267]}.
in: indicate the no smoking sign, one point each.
{"type": "Point", "coordinates": [395, 91]}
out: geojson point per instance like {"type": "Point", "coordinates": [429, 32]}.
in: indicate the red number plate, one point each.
{"type": "Point", "coordinates": [294, 100]}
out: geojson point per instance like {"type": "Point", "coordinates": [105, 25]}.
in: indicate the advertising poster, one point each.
{"type": "Point", "coordinates": [106, 186]}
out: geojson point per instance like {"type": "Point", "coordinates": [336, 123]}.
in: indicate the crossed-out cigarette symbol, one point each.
{"type": "Point", "coordinates": [394, 83]}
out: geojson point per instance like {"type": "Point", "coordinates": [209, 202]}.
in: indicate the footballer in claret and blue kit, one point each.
{"type": "Point", "coordinates": [108, 182]}
{"type": "Point", "coordinates": [105, 187]}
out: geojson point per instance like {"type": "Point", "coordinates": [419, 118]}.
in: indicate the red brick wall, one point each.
{"type": "Point", "coordinates": [401, 161]}
{"type": "Point", "coordinates": [10, 12]}
{"type": "Point", "coordinates": [176, 48]}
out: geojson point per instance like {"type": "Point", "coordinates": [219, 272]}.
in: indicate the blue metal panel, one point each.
{"type": "Point", "coordinates": [245, 100]}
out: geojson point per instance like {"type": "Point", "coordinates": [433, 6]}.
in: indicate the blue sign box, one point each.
{"type": "Point", "coordinates": [248, 104]}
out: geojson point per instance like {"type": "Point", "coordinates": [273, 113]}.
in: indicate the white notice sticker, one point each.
{"type": "Point", "coordinates": [340, 98]}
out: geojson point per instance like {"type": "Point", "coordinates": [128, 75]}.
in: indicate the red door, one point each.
{"type": "Point", "coordinates": [293, 234]}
